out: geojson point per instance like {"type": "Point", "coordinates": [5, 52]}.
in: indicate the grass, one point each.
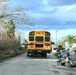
{"type": "Point", "coordinates": [10, 55]}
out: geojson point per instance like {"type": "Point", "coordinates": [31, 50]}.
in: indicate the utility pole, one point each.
{"type": "Point", "coordinates": [56, 37]}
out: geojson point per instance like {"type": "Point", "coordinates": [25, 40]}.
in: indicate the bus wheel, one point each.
{"type": "Point", "coordinates": [28, 54]}
{"type": "Point", "coordinates": [44, 55]}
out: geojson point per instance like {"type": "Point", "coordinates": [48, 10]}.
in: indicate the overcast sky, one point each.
{"type": "Point", "coordinates": [49, 14]}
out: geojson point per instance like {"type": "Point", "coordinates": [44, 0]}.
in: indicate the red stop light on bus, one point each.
{"type": "Point", "coordinates": [31, 33]}
{"type": "Point", "coordinates": [47, 34]}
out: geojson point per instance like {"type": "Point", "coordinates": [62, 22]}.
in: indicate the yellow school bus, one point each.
{"type": "Point", "coordinates": [39, 42]}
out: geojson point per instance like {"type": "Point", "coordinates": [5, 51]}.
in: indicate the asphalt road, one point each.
{"type": "Point", "coordinates": [35, 65]}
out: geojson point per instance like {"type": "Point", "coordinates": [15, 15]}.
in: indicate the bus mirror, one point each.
{"type": "Point", "coordinates": [53, 43]}
{"type": "Point", "coordinates": [55, 48]}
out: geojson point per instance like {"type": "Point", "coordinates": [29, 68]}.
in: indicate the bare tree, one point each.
{"type": "Point", "coordinates": [19, 15]}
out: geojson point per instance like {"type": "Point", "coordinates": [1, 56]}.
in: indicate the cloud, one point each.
{"type": "Point", "coordinates": [61, 2]}
{"type": "Point", "coordinates": [27, 4]}
{"type": "Point", "coordinates": [35, 5]}
{"type": "Point", "coordinates": [49, 14]}
{"type": "Point", "coordinates": [55, 16]}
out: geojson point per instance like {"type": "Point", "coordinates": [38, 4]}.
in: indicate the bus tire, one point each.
{"type": "Point", "coordinates": [28, 54]}
{"type": "Point", "coordinates": [44, 55]}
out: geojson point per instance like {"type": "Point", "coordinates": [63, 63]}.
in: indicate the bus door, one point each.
{"type": "Point", "coordinates": [39, 40]}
